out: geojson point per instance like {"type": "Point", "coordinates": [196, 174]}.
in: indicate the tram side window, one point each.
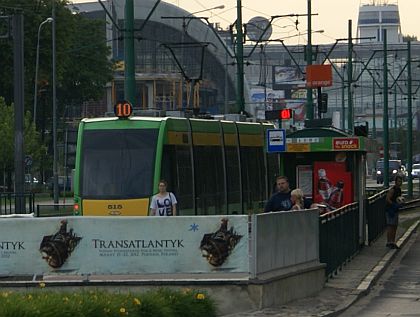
{"type": "Point", "coordinates": [253, 178]}
{"type": "Point", "coordinates": [233, 183]}
{"type": "Point", "coordinates": [209, 180]}
{"type": "Point", "coordinates": [176, 169]}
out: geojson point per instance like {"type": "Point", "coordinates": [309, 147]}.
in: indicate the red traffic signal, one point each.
{"type": "Point", "coordinates": [285, 114]}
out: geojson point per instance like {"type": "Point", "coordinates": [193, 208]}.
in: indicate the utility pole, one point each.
{"type": "Point", "coordinates": [54, 102]}
{"type": "Point", "coordinates": [240, 58]}
{"type": "Point", "coordinates": [409, 123]}
{"type": "Point", "coordinates": [395, 135]}
{"type": "Point", "coordinates": [129, 63]}
{"type": "Point", "coordinates": [309, 97]}
{"type": "Point", "coordinates": [350, 119]}
{"type": "Point", "coordinates": [19, 93]}
{"type": "Point", "coordinates": [385, 114]}
{"type": "Point", "coordinates": [374, 109]}
{"type": "Point", "coordinates": [343, 103]}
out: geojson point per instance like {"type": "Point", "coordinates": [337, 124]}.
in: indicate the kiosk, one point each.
{"type": "Point", "coordinates": [329, 166]}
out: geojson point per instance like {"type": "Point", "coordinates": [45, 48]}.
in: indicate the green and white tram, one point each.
{"type": "Point", "coordinates": [213, 167]}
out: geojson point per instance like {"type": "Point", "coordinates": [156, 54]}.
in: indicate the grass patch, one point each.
{"type": "Point", "coordinates": [160, 303]}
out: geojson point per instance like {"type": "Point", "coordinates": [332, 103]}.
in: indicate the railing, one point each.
{"type": "Point", "coordinates": [339, 236]}
{"type": "Point", "coordinates": [10, 202]}
{"type": "Point", "coordinates": [375, 215]}
{"type": "Point", "coordinates": [54, 210]}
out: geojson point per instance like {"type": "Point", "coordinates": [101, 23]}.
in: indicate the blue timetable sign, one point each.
{"type": "Point", "coordinates": [276, 140]}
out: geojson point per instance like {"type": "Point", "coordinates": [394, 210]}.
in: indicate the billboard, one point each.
{"type": "Point", "coordinates": [287, 77]}
{"type": "Point", "coordinates": [124, 245]}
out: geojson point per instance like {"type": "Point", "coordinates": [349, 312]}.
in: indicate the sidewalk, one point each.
{"type": "Point", "coordinates": [351, 283]}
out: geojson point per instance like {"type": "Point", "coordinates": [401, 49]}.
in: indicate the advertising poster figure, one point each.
{"type": "Point", "coordinates": [332, 184]}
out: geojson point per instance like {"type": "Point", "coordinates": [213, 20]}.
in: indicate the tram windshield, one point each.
{"type": "Point", "coordinates": [118, 164]}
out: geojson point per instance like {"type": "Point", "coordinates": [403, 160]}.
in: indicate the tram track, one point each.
{"type": "Point", "coordinates": [411, 204]}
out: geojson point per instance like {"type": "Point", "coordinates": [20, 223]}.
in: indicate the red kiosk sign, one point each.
{"type": "Point", "coordinates": [344, 144]}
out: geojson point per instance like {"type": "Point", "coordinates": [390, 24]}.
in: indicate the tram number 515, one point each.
{"type": "Point", "coordinates": [123, 109]}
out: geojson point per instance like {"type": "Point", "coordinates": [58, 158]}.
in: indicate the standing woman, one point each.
{"type": "Point", "coordinates": [163, 203]}
{"type": "Point", "coordinates": [391, 212]}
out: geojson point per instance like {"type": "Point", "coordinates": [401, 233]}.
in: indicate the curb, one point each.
{"type": "Point", "coordinates": [369, 280]}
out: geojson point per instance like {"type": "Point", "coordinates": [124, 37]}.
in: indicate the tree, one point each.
{"type": "Point", "coordinates": [82, 70]}
{"type": "Point", "coordinates": [411, 38]}
{"type": "Point", "coordinates": [32, 142]}
{"type": "Point", "coordinates": [82, 64]}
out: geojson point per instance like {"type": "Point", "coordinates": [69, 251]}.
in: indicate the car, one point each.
{"type": "Point", "coordinates": [28, 179]}
{"type": "Point", "coordinates": [415, 171]}
{"type": "Point", "coordinates": [395, 168]}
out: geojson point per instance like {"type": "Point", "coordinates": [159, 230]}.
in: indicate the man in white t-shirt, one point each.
{"type": "Point", "coordinates": [163, 203]}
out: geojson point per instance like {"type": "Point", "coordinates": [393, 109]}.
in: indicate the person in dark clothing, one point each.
{"type": "Point", "coordinates": [281, 199]}
{"type": "Point", "coordinates": [391, 212]}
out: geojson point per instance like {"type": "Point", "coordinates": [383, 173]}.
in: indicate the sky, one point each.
{"type": "Point", "coordinates": [332, 16]}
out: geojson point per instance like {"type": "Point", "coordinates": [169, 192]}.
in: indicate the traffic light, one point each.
{"type": "Point", "coordinates": [362, 130]}
{"type": "Point", "coordinates": [323, 103]}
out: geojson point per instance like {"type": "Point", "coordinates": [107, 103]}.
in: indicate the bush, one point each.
{"type": "Point", "coordinates": [160, 303]}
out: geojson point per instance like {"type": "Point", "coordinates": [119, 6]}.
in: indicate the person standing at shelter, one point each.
{"type": "Point", "coordinates": [280, 200]}
{"type": "Point", "coordinates": [391, 212]}
{"type": "Point", "coordinates": [163, 203]}
{"type": "Point", "coordinates": [297, 199]}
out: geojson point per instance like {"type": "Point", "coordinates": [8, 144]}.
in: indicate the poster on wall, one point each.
{"type": "Point", "coordinates": [332, 184]}
{"type": "Point", "coordinates": [124, 245]}
{"type": "Point", "coordinates": [304, 179]}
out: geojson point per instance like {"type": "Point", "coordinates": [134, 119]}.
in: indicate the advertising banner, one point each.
{"type": "Point", "coordinates": [287, 77]}
{"type": "Point", "coordinates": [124, 245]}
{"type": "Point", "coordinates": [330, 144]}
{"type": "Point", "coordinates": [318, 76]}
{"type": "Point", "coordinates": [332, 184]}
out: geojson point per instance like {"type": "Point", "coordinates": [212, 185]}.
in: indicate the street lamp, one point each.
{"type": "Point", "coordinates": [190, 17]}
{"type": "Point", "coordinates": [48, 20]}
{"type": "Point", "coordinates": [214, 8]}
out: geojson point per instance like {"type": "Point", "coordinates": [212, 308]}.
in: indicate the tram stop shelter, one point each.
{"type": "Point", "coordinates": [328, 165]}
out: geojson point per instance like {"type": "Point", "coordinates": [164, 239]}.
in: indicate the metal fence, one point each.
{"type": "Point", "coordinates": [54, 210]}
{"type": "Point", "coordinates": [17, 203]}
{"type": "Point", "coordinates": [375, 215]}
{"type": "Point", "coordinates": [339, 236]}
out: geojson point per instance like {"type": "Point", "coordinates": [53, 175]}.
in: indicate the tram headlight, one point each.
{"type": "Point", "coordinates": [394, 171]}
{"type": "Point", "coordinates": [378, 173]}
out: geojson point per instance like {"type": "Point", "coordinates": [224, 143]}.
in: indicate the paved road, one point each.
{"type": "Point", "coordinates": [357, 278]}
{"type": "Point", "coordinates": [397, 293]}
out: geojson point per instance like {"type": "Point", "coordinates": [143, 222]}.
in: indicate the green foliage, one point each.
{"type": "Point", "coordinates": [82, 70]}
{"type": "Point", "coordinates": [411, 38]}
{"type": "Point", "coordinates": [32, 142]}
{"type": "Point", "coordinates": [160, 303]}
{"type": "Point", "coordinates": [6, 136]}
{"type": "Point", "coordinates": [82, 64]}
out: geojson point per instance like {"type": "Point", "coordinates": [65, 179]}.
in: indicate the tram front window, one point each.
{"type": "Point", "coordinates": [118, 164]}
